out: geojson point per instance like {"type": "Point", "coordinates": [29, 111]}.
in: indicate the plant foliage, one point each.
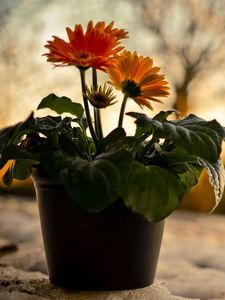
{"type": "Point", "coordinates": [150, 171]}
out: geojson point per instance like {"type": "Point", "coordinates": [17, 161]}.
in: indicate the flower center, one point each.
{"type": "Point", "coordinates": [82, 59]}
{"type": "Point", "coordinates": [100, 100]}
{"type": "Point", "coordinates": [131, 88]}
{"type": "Point", "coordinates": [83, 55]}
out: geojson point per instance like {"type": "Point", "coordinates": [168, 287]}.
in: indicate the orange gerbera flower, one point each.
{"type": "Point", "coordinates": [95, 48]}
{"type": "Point", "coordinates": [136, 77]}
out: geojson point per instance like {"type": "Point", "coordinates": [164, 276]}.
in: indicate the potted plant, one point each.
{"type": "Point", "coordinates": [103, 199]}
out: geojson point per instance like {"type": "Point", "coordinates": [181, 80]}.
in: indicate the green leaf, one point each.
{"type": "Point", "coordinates": [197, 136]}
{"type": "Point", "coordinates": [71, 146]}
{"type": "Point", "coordinates": [113, 176]}
{"type": "Point", "coordinates": [163, 115]}
{"type": "Point", "coordinates": [95, 185]}
{"type": "Point", "coordinates": [47, 124]}
{"type": "Point", "coordinates": [61, 105]}
{"type": "Point", "coordinates": [6, 136]}
{"type": "Point", "coordinates": [185, 165]}
{"type": "Point", "coordinates": [14, 152]}
{"type": "Point", "coordinates": [122, 159]}
{"type": "Point", "coordinates": [88, 184]}
{"type": "Point", "coordinates": [153, 191]}
{"type": "Point", "coordinates": [82, 122]}
{"type": "Point", "coordinates": [22, 168]}
{"type": "Point", "coordinates": [12, 135]}
{"type": "Point", "coordinates": [54, 162]}
{"type": "Point", "coordinates": [114, 140]}
{"type": "Point", "coordinates": [216, 175]}
{"type": "Point", "coordinates": [190, 176]}
{"type": "Point", "coordinates": [131, 143]}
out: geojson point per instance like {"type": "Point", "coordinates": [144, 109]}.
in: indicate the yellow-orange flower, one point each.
{"type": "Point", "coordinates": [136, 77]}
{"type": "Point", "coordinates": [94, 48]}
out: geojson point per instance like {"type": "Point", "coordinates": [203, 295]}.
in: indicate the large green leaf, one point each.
{"type": "Point", "coordinates": [95, 185]}
{"type": "Point", "coordinates": [178, 161]}
{"type": "Point", "coordinates": [197, 136]}
{"type": "Point", "coordinates": [153, 191]}
{"type": "Point", "coordinates": [89, 183]}
{"type": "Point", "coordinates": [61, 105]}
{"type": "Point", "coordinates": [122, 159]}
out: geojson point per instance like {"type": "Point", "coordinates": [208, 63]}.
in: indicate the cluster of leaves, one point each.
{"type": "Point", "coordinates": [150, 171]}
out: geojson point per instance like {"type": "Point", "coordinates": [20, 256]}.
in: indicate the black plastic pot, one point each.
{"type": "Point", "coordinates": [112, 250]}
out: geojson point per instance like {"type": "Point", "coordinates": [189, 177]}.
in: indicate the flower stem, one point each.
{"type": "Point", "coordinates": [122, 110]}
{"type": "Point", "coordinates": [87, 111]}
{"type": "Point", "coordinates": [97, 114]}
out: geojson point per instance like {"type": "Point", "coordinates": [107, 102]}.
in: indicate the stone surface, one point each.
{"type": "Point", "coordinates": [191, 264]}
{"type": "Point", "coordinates": [23, 284]}
{"type": "Point", "coordinates": [192, 259]}
{"type": "Point", "coordinates": [6, 246]}
{"type": "Point", "coordinates": [19, 296]}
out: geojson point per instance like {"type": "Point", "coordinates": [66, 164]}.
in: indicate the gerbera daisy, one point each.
{"type": "Point", "coordinates": [136, 77]}
{"type": "Point", "coordinates": [101, 97]}
{"type": "Point", "coordinates": [94, 48]}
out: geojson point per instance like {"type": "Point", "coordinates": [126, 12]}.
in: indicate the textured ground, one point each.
{"type": "Point", "coordinates": [191, 265]}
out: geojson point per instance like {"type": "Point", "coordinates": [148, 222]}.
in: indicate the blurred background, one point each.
{"type": "Point", "coordinates": [186, 38]}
